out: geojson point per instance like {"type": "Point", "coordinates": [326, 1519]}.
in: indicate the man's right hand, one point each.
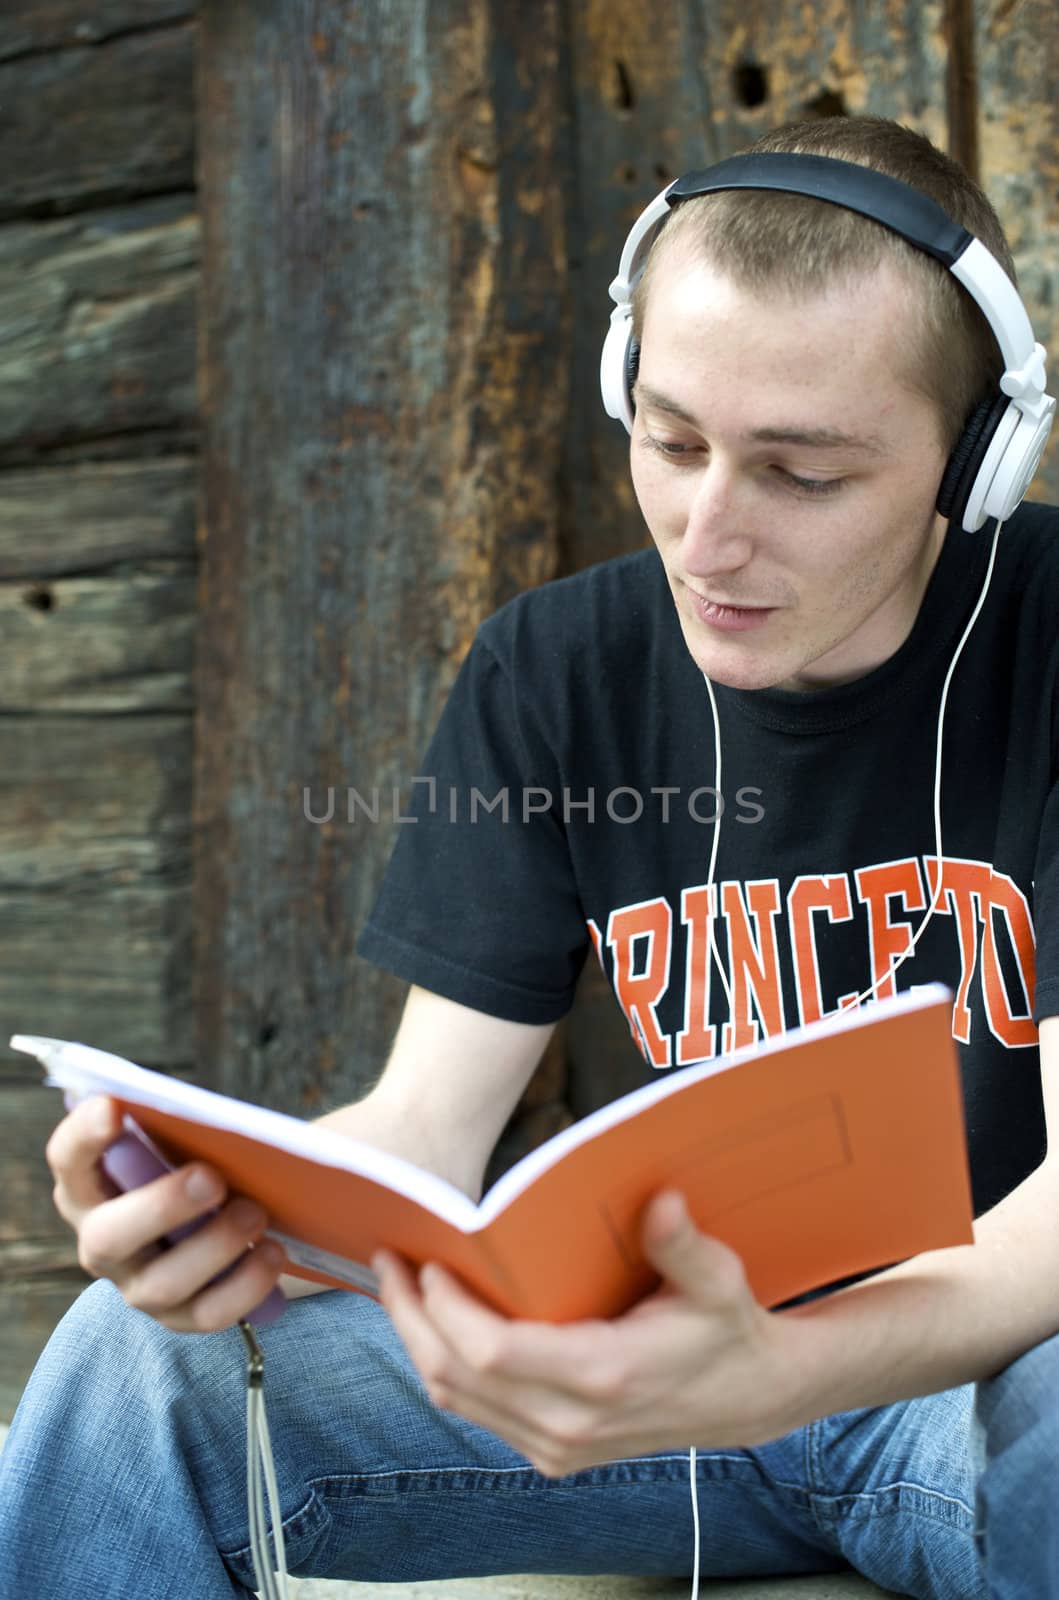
{"type": "Point", "coordinates": [122, 1236]}
{"type": "Point", "coordinates": [453, 1078]}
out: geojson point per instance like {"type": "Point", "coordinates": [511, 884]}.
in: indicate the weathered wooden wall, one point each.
{"type": "Point", "coordinates": [384, 392]}
{"type": "Point", "coordinates": [99, 272]}
{"type": "Point", "coordinates": [410, 214]}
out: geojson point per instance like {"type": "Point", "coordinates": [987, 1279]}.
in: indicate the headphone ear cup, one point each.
{"type": "Point", "coordinates": [614, 366]}
{"type": "Point", "coordinates": [967, 456]}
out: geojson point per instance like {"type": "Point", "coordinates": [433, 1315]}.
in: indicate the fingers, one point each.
{"type": "Point", "coordinates": [124, 1237]}
{"type": "Point", "coordinates": [123, 1227]}
{"type": "Point", "coordinates": [401, 1297]}
{"type": "Point", "coordinates": [177, 1287]}
{"type": "Point", "coordinates": [73, 1153]}
{"type": "Point", "coordinates": [483, 1366]}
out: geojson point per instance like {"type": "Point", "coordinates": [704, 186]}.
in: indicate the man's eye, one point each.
{"type": "Point", "coordinates": [665, 447]}
{"type": "Point", "coordinates": [811, 485]}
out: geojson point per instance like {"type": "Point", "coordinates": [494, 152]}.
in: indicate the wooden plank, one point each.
{"type": "Point", "coordinates": [98, 644]}
{"type": "Point", "coordinates": [95, 932]}
{"type": "Point", "coordinates": [39, 1272]}
{"type": "Point", "coordinates": [104, 123]}
{"type": "Point", "coordinates": [39, 1257]}
{"type": "Point", "coordinates": [1017, 47]}
{"type": "Point", "coordinates": [86, 802]}
{"type": "Point", "coordinates": [98, 313]}
{"type": "Point", "coordinates": [109, 966]}
{"type": "Point", "coordinates": [80, 518]}
{"type": "Point", "coordinates": [58, 24]}
{"type": "Point", "coordinates": [383, 378]}
{"type": "Point", "coordinates": [32, 1234]}
{"type": "Point", "coordinates": [961, 83]}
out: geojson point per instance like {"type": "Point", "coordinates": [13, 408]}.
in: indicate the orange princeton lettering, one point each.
{"type": "Point", "coordinates": [753, 960]}
{"type": "Point", "coordinates": [697, 1040]}
{"type": "Point", "coordinates": [809, 894]}
{"type": "Point", "coordinates": [640, 937]}
{"type": "Point", "coordinates": [889, 940]}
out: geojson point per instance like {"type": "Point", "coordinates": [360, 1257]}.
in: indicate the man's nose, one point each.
{"type": "Point", "coordinates": [716, 534]}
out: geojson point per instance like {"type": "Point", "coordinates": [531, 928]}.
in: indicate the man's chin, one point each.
{"type": "Point", "coordinates": [745, 666]}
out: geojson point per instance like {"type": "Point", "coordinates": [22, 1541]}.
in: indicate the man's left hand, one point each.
{"type": "Point", "coordinates": [698, 1361]}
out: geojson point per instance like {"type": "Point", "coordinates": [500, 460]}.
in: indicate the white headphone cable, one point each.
{"type": "Point", "coordinates": [938, 874]}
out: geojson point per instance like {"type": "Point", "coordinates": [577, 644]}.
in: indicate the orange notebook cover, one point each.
{"type": "Point", "coordinates": [829, 1150]}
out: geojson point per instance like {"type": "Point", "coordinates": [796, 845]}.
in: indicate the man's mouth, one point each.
{"type": "Point", "coordinates": [729, 618]}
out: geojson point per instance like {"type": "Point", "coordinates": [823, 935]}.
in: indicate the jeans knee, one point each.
{"type": "Point", "coordinates": [100, 1326]}
{"type": "Point", "coordinates": [107, 1366]}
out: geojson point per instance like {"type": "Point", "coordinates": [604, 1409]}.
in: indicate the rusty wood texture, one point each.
{"type": "Point", "coordinates": [98, 316]}
{"type": "Point", "coordinates": [29, 26]}
{"type": "Point", "coordinates": [383, 389]}
{"type": "Point", "coordinates": [1017, 50]}
{"type": "Point", "coordinates": [103, 122]}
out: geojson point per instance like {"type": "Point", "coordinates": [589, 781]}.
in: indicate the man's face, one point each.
{"type": "Point", "coordinates": [787, 472]}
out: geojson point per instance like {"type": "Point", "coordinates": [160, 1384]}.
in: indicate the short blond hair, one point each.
{"type": "Point", "coordinates": [762, 239]}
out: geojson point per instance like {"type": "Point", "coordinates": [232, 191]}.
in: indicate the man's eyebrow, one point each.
{"type": "Point", "coordinates": [820, 439]}
{"type": "Point", "coordinates": [814, 438]}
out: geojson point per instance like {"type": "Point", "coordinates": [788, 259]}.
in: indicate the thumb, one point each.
{"type": "Point", "coordinates": [701, 1266]}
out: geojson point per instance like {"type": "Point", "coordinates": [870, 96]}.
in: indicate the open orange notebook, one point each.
{"type": "Point", "coordinates": [819, 1153]}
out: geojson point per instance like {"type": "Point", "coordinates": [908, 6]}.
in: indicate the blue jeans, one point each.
{"type": "Point", "coordinates": [123, 1475]}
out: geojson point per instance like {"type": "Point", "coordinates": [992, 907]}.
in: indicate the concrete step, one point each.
{"type": "Point", "coordinates": [834, 1586]}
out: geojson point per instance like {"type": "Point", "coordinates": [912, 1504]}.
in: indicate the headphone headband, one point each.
{"type": "Point", "coordinates": [905, 210]}
{"type": "Point", "coordinates": [925, 225]}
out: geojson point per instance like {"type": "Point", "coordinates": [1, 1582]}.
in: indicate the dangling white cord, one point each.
{"type": "Point", "coordinates": [692, 1454]}
{"type": "Point", "coordinates": [712, 954]}
{"type": "Point", "coordinates": [271, 1582]}
{"type": "Point", "coordinates": [711, 919]}
{"type": "Point", "coordinates": [972, 619]}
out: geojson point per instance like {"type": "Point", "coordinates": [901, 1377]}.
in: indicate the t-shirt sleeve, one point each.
{"type": "Point", "coordinates": [479, 901]}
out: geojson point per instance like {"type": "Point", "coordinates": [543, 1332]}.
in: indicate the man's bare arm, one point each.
{"type": "Point", "coordinates": [452, 1080]}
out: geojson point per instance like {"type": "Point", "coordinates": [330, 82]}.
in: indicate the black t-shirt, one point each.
{"type": "Point", "coordinates": [573, 810]}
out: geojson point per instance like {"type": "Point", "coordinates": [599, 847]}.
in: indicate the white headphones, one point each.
{"type": "Point", "coordinates": [1000, 449]}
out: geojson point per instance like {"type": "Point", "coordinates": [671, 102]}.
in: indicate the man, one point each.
{"type": "Point", "coordinates": [802, 378]}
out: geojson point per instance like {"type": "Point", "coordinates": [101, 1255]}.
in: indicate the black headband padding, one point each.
{"type": "Point", "coordinates": [896, 205]}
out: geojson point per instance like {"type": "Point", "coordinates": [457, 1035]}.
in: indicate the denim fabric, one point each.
{"type": "Point", "coordinates": [124, 1474]}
